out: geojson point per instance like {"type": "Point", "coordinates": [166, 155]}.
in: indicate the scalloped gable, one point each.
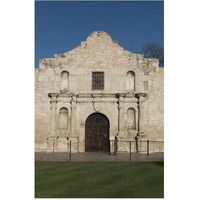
{"type": "Point", "coordinates": [98, 48]}
{"type": "Point", "coordinates": [96, 41]}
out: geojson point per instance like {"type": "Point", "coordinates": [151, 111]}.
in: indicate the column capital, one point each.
{"type": "Point", "coordinates": [142, 97]}
{"type": "Point", "coordinates": [120, 95]}
{"type": "Point", "coordinates": [120, 100]}
{"type": "Point", "coordinates": [53, 95]}
{"type": "Point", "coordinates": [74, 97]}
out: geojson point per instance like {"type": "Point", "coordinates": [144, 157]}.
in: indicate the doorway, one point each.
{"type": "Point", "coordinates": [97, 133]}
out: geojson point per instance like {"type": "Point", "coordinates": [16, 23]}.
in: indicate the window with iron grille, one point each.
{"type": "Point", "coordinates": [97, 80]}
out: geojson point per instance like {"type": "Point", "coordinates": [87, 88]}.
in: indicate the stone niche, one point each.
{"type": "Point", "coordinates": [131, 120]}
{"type": "Point", "coordinates": [64, 81]}
{"type": "Point", "coordinates": [63, 119]}
{"type": "Point", "coordinates": [130, 81]}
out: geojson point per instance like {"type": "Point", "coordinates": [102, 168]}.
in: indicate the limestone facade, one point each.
{"type": "Point", "coordinates": [132, 97]}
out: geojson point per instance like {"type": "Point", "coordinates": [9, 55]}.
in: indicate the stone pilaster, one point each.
{"type": "Point", "coordinates": [112, 145]}
{"type": "Point", "coordinates": [141, 100]}
{"type": "Point", "coordinates": [141, 117]}
{"type": "Point", "coordinates": [51, 140]}
{"type": "Point", "coordinates": [53, 114]}
{"type": "Point", "coordinates": [53, 118]}
{"type": "Point", "coordinates": [120, 117]}
{"type": "Point", "coordinates": [73, 116]}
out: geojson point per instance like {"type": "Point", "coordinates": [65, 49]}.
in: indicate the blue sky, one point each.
{"type": "Point", "coordinates": [61, 26]}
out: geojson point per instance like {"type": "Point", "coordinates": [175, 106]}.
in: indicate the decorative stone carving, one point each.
{"type": "Point", "coordinates": [97, 106]}
{"type": "Point", "coordinates": [63, 91]}
{"type": "Point", "coordinates": [53, 95]}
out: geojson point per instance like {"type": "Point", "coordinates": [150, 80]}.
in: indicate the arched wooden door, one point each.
{"type": "Point", "coordinates": [97, 133]}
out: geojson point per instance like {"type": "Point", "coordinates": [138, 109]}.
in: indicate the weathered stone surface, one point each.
{"type": "Point", "coordinates": [65, 82]}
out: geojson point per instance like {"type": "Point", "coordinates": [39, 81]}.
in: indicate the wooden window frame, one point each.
{"type": "Point", "coordinates": [97, 80]}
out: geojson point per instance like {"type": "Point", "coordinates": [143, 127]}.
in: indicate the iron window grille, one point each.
{"type": "Point", "coordinates": [97, 80]}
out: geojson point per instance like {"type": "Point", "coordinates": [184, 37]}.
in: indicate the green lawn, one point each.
{"type": "Point", "coordinates": [99, 179]}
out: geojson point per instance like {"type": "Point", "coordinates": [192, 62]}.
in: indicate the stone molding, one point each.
{"type": "Point", "coordinates": [129, 96]}
{"type": "Point", "coordinates": [53, 95]}
{"type": "Point", "coordinates": [142, 96]}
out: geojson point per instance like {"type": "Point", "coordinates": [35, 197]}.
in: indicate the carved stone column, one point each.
{"type": "Point", "coordinates": [141, 118]}
{"type": "Point", "coordinates": [53, 114]}
{"type": "Point", "coordinates": [53, 118]}
{"type": "Point", "coordinates": [120, 117]}
{"type": "Point", "coordinates": [73, 116]}
{"type": "Point", "coordinates": [51, 142]}
{"type": "Point", "coordinates": [141, 100]}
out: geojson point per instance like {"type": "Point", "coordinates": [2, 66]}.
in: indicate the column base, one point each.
{"type": "Point", "coordinates": [112, 145]}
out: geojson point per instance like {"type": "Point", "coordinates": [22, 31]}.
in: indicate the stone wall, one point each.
{"type": "Point", "coordinates": [154, 109]}
{"type": "Point", "coordinates": [69, 76]}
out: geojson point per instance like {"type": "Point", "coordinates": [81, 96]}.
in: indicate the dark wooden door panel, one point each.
{"type": "Point", "coordinates": [97, 133]}
{"type": "Point", "coordinates": [103, 136]}
{"type": "Point", "coordinates": [91, 137]}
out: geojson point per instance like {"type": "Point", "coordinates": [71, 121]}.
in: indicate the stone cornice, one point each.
{"type": "Point", "coordinates": [125, 97]}
{"type": "Point", "coordinates": [130, 95]}
{"type": "Point", "coordinates": [67, 95]}
{"type": "Point", "coordinates": [92, 101]}
{"type": "Point", "coordinates": [120, 95]}
{"type": "Point", "coordinates": [142, 96]}
{"type": "Point", "coordinates": [53, 95]}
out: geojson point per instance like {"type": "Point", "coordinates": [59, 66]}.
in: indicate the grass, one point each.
{"type": "Point", "coordinates": [99, 179]}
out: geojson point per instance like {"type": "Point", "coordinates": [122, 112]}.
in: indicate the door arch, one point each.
{"type": "Point", "coordinates": [97, 133]}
